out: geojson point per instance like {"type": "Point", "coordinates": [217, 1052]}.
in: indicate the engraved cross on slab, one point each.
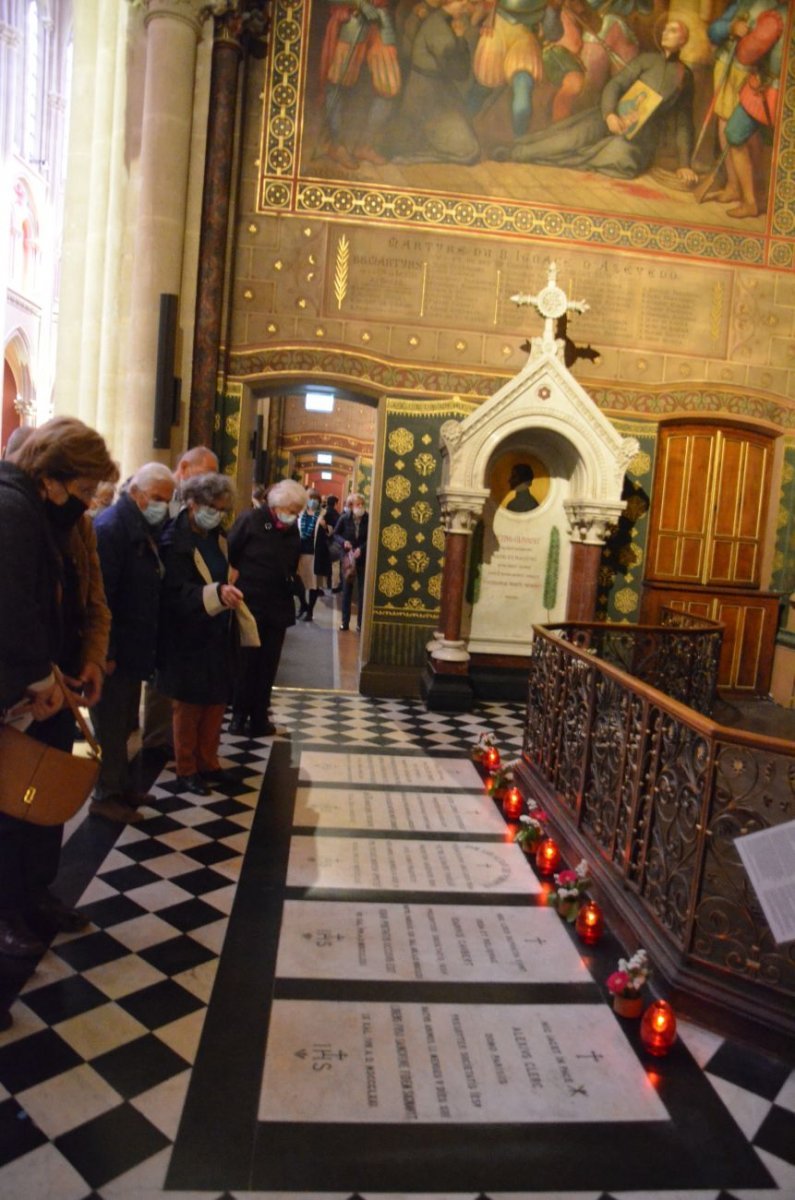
{"type": "Point", "coordinates": [551, 303]}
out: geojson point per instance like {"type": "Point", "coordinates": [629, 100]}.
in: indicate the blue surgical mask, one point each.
{"type": "Point", "coordinates": [285, 518]}
{"type": "Point", "coordinates": [312, 505]}
{"type": "Point", "coordinates": [207, 517]}
{"type": "Point", "coordinates": [155, 512]}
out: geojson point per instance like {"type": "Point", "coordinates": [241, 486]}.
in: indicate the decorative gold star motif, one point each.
{"type": "Point", "coordinates": [272, 328]}
{"type": "Point", "coordinates": [320, 331]}
{"type": "Point", "coordinates": [306, 231]}
{"type": "Point", "coordinates": [391, 560]}
{"type": "Point", "coordinates": [414, 340]}
{"type": "Point", "coordinates": [366, 337]}
{"type": "Point", "coordinates": [426, 439]}
{"type": "Point", "coordinates": [301, 302]}
{"type": "Point", "coordinates": [253, 228]}
{"type": "Point", "coordinates": [399, 464]}
{"type": "Point", "coordinates": [248, 294]}
{"type": "Point", "coordinates": [277, 266]}
{"type": "Point", "coordinates": [460, 345]}
{"type": "Point", "coordinates": [395, 513]}
{"type": "Point", "coordinates": [423, 488]}
{"type": "Point", "coordinates": [419, 537]}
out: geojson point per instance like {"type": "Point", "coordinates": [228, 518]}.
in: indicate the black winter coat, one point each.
{"type": "Point", "coordinates": [345, 531]}
{"type": "Point", "coordinates": [194, 644]}
{"type": "Point", "coordinates": [30, 587]}
{"type": "Point", "coordinates": [132, 573]}
{"type": "Point", "coordinates": [267, 559]}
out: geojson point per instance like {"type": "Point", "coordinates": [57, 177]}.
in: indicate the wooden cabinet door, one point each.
{"type": "Point", "coordinates": [679, 520]}
{"type": "Point", "coordinates": [741, 488]}
{"type": "Point", "coordinates": [709, 506]}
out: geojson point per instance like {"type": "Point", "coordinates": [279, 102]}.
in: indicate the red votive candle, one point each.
{"type": "Point", "coordinates": [548, 857]}
{"type": "Point", "coordinates": [492, 758]}
{"type": "Point", "coordinates": [512, 804]}
{"type": "Point", "coordinates": [658, 1028]}
{"type": "Point", "coordinates": [590, 923]}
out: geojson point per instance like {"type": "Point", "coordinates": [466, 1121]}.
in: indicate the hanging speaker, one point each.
{"type": "Point", "coordinates": [165, 382]}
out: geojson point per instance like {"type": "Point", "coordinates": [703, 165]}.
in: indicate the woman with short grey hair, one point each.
{"type": "Point", "coordinates": [195, 667]}
{"type": "Point", "coordinates": [264, 545]}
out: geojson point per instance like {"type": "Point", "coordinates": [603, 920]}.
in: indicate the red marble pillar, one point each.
{"type": "Point", "coordinates": [583, 580]}
{"type": "Point", "coordinates": [227, 53]}
{"type": "Point", "coordinates": [453, 583]}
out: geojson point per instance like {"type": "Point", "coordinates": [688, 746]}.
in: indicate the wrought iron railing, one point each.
{"type": "Point", "coordinates": [655, 795]}
{"type": "Point", "coordinates": [679, 657]}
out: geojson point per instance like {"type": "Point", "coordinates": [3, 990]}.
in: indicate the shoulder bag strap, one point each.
{"type": "Point", "coordinates": [96, 752]}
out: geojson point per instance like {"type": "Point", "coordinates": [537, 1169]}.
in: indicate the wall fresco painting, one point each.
{"type": "Point", "coordinates": [619, 123]}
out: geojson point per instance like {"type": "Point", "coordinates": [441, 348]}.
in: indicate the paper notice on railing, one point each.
{"type": "Point", "coordinates": [769, 860]}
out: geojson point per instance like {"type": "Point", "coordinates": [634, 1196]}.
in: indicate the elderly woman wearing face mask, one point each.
{"type": "Point", "coordinates": [127, 536]}
{"type": "Point", "coordinates": [264, 546]}
{"type": "Point", "coordinates": [197, 600]}
{"type": "Point", "coordinates": [52, 610]}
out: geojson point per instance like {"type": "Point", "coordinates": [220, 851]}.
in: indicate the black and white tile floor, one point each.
{"type": "Point", "coordinates": [133, 1066]}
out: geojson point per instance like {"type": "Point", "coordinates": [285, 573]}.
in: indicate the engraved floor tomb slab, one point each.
{"type": "Point", "coordinates": [424, 812]}
{"type": "Point", "coordinates": [388, 770]}
{"type": "Point", "coordinates": [360, 1062]}
{"type": "Point", "coordinates": [431, 943]}
{"type": "Point", "coordinates": [409, 865]}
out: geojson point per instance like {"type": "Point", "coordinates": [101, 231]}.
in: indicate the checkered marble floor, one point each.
{"type": "Point", "coordinates": [96, 1067]}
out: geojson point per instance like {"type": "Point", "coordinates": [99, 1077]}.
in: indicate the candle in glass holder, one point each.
{"type": "Point", "coordinates": [658, 1028]}
{"type": "Point", "coordinates": [492, 758]}
{"type": "Point", "coordinates": [512, 804]}
{"type": "Point", "coordinates": [590, 924]}
{"type": "Point", "coordinates": [548, 857]}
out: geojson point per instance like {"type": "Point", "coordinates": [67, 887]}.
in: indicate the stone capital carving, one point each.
{"type": "Point", "coordinates": [190, 12]}
{"type": "Point", "coordinates": [450, 436]}
{"type": "Point", "coordinates": [629, 448]}
{"type": "Point", "coordinates": [590, 522]}
{"type": "Point", "coordinates": [461, 509]}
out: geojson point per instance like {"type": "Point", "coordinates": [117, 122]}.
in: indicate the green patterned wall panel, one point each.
{"type": "Point", "coordinates": [783, 575]}
{"type": "Point", "coordinates": [623, 558]}
{"type": "Point", "coordinates": [409, 543]}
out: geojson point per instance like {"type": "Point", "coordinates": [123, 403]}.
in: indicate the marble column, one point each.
{"type": "Point", "coordinates": [227, 54]}
{"type": "Point", "coordinates": [449, 652]}
{"type": "Point", "coordinates": [589, 525]}
{"type": "Point", "coordinates": [173, 28]}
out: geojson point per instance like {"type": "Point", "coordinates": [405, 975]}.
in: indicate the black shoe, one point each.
{"type": "Point", "coordinates": [194, 784]}
{"type": "Point", "coordinates": [237, 725]}
{"type": "Point", "coordinates": [344, 627]}
{"type": "Point", "coordinates": [57, 917]}
{"type": "Point", "coordinates": [335, 591]}
{"type": "Point", "coordinates": [266, 729]}
{"type": "Point", "coordinates": [17, 941]}
{"type": "Point", "coordinates": [219, 776]}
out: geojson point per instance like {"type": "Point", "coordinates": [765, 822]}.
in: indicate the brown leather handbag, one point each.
{"type": "Point", "coordinates": [40, 784]}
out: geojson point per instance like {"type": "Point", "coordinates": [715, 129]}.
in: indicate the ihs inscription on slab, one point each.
{"type": "Point", "coordinates": [408, 865]}
{"type": "Point", "coordinates": [446, 1063]}
{"type": "Point", "coordinates": [462, 943]}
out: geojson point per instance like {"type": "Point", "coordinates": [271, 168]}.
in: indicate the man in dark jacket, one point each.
{"type": "Point", "coordinates": [351, 534]}
{"type": "Point", "coordinates": [131, 568]}
{"type": "Point", "coordinates": [264, 547]}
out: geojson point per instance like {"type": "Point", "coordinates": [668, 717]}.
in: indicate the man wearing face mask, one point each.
{"type": "Point", "coordinates": [351, 534]}
{"type": "Point", "coordinates": [264, 546]}
{"type": "Point", "coordinates": [309, 587]}
{"type": "Point", "coordinates": [127, 536]}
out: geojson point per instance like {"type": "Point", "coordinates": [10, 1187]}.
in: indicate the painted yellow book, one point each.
{"type": "Point", "coordinates": [636, 106]}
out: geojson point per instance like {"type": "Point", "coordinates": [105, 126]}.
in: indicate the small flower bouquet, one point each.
{"type": "Point", "coordinates": [570, 889]}
{"type": "Point", "coordinates": [500, 780]}
{"type": "Point", "coordinates": [485, 742]}
{"type": "Point", "coordinates": [531, 828]}
{"type": "Point", "coordinates": [626, 984]}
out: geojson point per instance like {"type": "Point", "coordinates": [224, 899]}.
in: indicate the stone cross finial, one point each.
{"type": "Point", "coordinates": [551, 303]}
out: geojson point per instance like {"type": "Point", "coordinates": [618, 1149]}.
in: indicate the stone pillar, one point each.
{"type": "Point", "coordinates": [227, 54]}
{"type": "Point", "coordinates": [173, 28]}
{"type": "Point", "coordinates": [589, 525]}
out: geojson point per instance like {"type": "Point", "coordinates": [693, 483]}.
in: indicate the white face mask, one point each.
{"type": "Point", "coordinates": [206, 517]}
{"type": "Point", "coordinates": [155, 511]}
{"type": "Point", "coordinates": [286, 518]}
{"type": "Point", "coordinates": [357, 512]}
